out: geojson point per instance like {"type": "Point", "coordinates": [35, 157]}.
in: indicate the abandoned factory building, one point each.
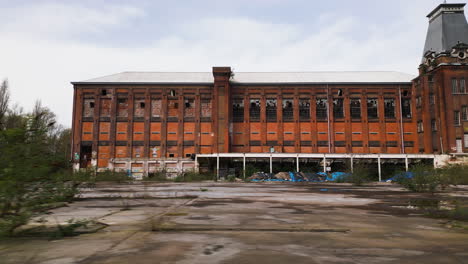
{"type": "Point", "coordinates": [149, 121]}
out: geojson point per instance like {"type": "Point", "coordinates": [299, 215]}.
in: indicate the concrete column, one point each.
{"type": "Point", "coordinates": [243, 164]}
{"type": "Point", "coordinates": [380, 168]}
{"type": "Point", "coordinates": [406, 163]}
{"type": "Point", "coordinates": [271, 164]}
{"type": "Point", "coordinates": [324, 163]}
{"type": "Point", "coordinates": [196, 164]}
{"type": "Point", "coordinates": [297, 163]}
{"type": "Point", "coordinates": [352, 164]}
{"type": "Point", "coordinates": [217, 166]}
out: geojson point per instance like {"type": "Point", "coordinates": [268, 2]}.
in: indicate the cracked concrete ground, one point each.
{"type": "Point", "coordinates": [245, 223]}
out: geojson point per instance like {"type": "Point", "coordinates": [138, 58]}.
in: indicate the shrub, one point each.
{"type": "Point", "coordinates": [193, 176]}
{"type": "Point", "coordinates": [158, 176]}
{"type": "Point", "coordinates": [231, 178]}
{"type": "Point", "coordinates": [425, 179]}
{"type": "Point", "coordinates": [454, 174]}
{"type": "Point", "coordinates": [113, 176]}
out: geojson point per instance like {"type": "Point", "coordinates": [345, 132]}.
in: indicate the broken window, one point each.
{"type": "Point", "coordinates": [389, 108]}
{"type": "Point", "coordinates": [139, 108]}
{"type": "Point", "coordinates": [456, 118]}
{"type": "Point", "coordinates": [105, 107]}
{"type": "Point", "coordinates": [122, 107]}
{"type": "Point", "coordinates": [254, 110]}
{"type": "Point", "coordinates": [205, 108]}
{"type": "Point", "coordinates": [338, 110]}
{"type": "Point", "coordinates": [189, 108]}
{"type": "Point", "coordinates": [238, 110]}
{"type": "Point", "coordinates": [271, 110]}
{"type": "Point", "coordinates": [304, 109]}
{"type": "Point", "coordinates": [173, 108]}
{"type": "Point", "coordinates": [88, 107]}
{"type": "Point", "coordinates": [356, 108]}
{"type": "Point", "coordinates": [420, 127]}
{"type": "Point", "coordinates": [462, 86]}
{"type": "Point", "coordinates": [372, 108]}
{"type": "Point", "coordinates": [465, 113]}
{"type": "Point", "coordinates": [156, 107]}
{"type": "Point", "coordinates": [454, 86]}
{"type": "Point", "coordinates": [431, 99]}
{"type": "Point", "coordinates": [103, 92]}
{"type": "Point", "coordinates": [288, 110]}
{"type": "Point", "coordinates": [322, 109]}
{"type": "Point", "coordinates": [406, 107]}
{"type": "Point", "coordinates": [433, 125]}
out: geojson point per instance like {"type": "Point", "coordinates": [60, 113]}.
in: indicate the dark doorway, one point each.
{"type": "Point", "coordinates": [85, 156]}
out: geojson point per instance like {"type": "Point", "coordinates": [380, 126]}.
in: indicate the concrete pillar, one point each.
{"type": "Point", "coordinates": [271, 163]}
{"type": "Point", "coordinates": [217, 166]}
{"type": "Point", "coordinates": [380, 169]}
{"type": "Point", "coordinates": [352, 164]}
{"type": "Point", "coordinates": [406, 163]}
{"type": "Point", "coordinates": [324, 163]}
{"type": "Point", "coordinates": [243, 164]}
{"type": "Point", "coordinates": [297, 163]}
{"type": "Point", "coordinates": [197, 169]}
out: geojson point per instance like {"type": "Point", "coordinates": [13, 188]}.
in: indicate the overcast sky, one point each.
{"type": "Point", "coordinates": [44, 45]}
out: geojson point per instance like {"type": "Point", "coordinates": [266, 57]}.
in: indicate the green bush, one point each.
{"type": "Point", "coordinates": [193, 176]}
{"type": "Point", "coordinates": [454, 174]}
{"type": "Point", "coordinates": [113, 176]}
{"type": "Point", "coordinates": [425, 179]}
{"type": "Point", "coordinates": [158, 176]}
{"type": "Point", "coordinates": [358, 177]}
{"type": "Point", "coordinates": [231, 178]}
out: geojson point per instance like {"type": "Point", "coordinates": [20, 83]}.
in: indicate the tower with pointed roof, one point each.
{"type": "Point", "coordinates": [441, 91]}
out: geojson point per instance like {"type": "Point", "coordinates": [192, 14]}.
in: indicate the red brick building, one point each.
{"type": "Point", "coordinates": [147, 121]}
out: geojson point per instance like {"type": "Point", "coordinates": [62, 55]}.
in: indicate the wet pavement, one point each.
{"type": "Point", "coordinates": [248, 223]}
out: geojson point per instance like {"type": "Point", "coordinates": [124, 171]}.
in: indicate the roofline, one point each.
{"type": "Point", "coordinates": [236, 83]}
{"type": "Point", "coordinates": [445, 5]}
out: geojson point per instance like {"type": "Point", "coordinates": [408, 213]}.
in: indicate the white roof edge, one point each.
{"type": "Point", "coordinates": [255, 77]}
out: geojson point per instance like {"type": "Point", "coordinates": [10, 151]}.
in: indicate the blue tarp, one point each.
{"type": "Point", "coordinates": [337, 175]}
{"type": "Point", "coordinates": [401, 176]}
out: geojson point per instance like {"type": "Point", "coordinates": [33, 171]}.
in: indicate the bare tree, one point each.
{"type": "Point", "coordinates": [4, 101]}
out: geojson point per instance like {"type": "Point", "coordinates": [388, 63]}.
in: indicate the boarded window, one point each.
{"type": "Point", "coordinates": [122, 107]}
{"type": "Point", "coordinates": [88, 107]}
{"type": "Point", "coordinates": [288, 110]}
{"type": "Point", "coordinates": [238, 110]}
{"type": "Point", "coordinates": [322, 109]}
{"type": "Point", "coordinates": [433, 125]}
{"type": "Point", "coordinates": [372, 108]}
{"type": "Point", "coordinates": [389, 106]}
{"type": "Point", "coordinates": [156, 107]}
{"type": "Point", "coordinates": [406, 107]}
{"type": "Point", "coordinates": [206, 108]}
{"type": "Point", "coordinates": [271, 106]}
{"type": "Point", "coordinates": [356, 108]}
{"type": "Point", "coordinates": [254, 110]}
{"type": "Point", "coordinates": [304, 109]}
{"type": "Point", "coordinates": [338, 110]}
{"type": "Point", "coordinates": [105, 107]}
{"type": "Point", "coordinates": [374, 143]}
{"type": "Point", "coordinates": [392, 144]}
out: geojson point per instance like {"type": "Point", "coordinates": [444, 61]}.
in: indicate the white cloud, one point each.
{"type": "Point", "coordinates": [40, 62]}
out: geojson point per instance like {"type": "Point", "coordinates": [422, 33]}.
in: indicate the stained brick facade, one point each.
{"type": "Point", "coordinates": [137, 124]}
